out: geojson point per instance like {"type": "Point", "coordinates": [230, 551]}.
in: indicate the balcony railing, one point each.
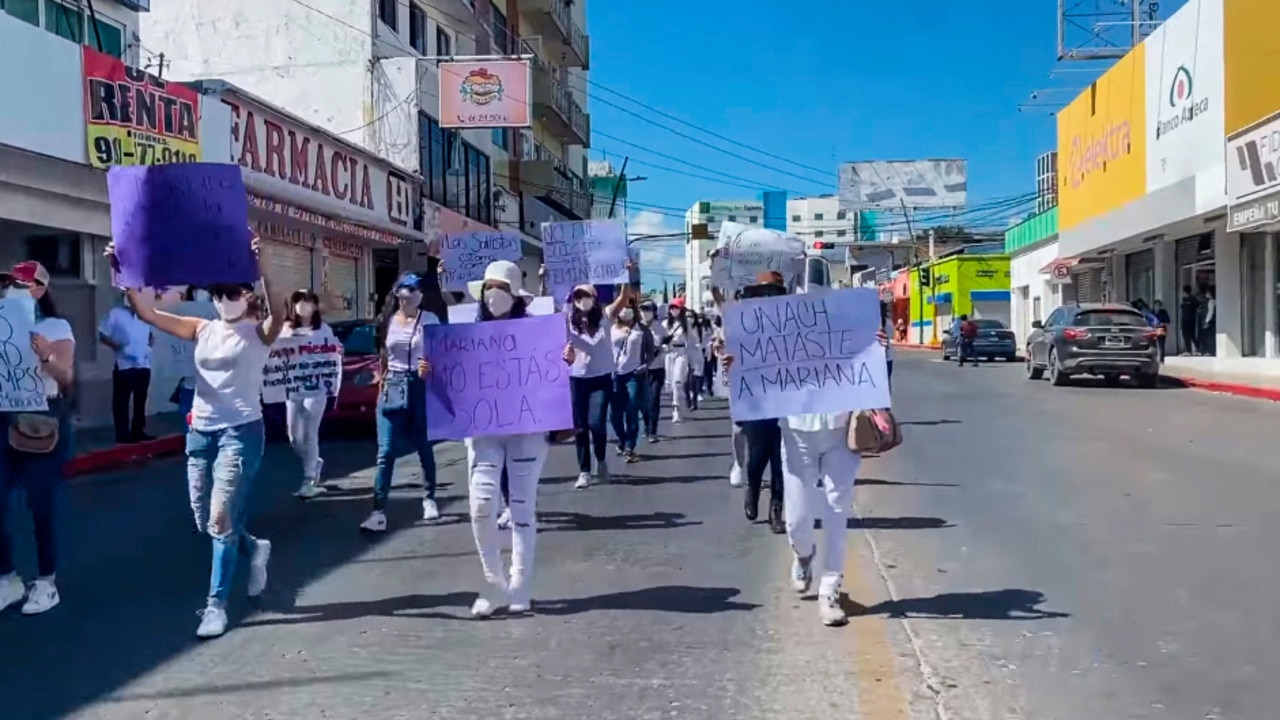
{"type": "Point", "coordinates": [550, 180]}
{"type": "Point", "coordinates": [560, 112]}
{"type": "Point", "coordinates": [554, 21]}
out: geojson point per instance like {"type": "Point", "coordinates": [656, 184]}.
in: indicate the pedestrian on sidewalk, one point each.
{"type": "Point", "coordinates": [655, 373]}
{"type": "Point", "coordinates": [304, 410]}
{"type": "Point", "coordinates": [34, 461]}
{"type": "Point", "coordinates": [401, 413]}
{"type": "Point", "coordinates": [1162, 327]}
{"type": "Point", "coordinates": [590, 354]}
{"type": "Point", "coordinates": [1207, 338]}
{"type": "Point", "coordinates": [1189, 321]}
{"type": "Point", "coordinates": [130, 340]}
{"type": "Point", "coordinates": [522, 456]}
{"type": "Point", "coordinates": [226, 439]}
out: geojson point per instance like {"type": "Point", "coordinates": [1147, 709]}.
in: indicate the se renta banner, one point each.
{"type": "Point", "coordinates": [135, 118]}
{"type": "Point", "coordinates": [802, 354]}
{"type": "Point", "coordinates": [301, 367]}
{"type": "Point", "coordinates": [180, 225]}
{"type": "Point", "coordinates": [591, 252]}
{"type": "Point", "coordinates": [21, 387]}
{"type": "Point", "coordinates": [501, 377]}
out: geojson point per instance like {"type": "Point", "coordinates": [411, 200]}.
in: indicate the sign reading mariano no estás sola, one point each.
{"type": "Point", "coordinates": [266, 141]}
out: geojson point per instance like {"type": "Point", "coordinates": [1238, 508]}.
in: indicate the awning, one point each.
{"type": "Point", "coordinates": [1056, 262]}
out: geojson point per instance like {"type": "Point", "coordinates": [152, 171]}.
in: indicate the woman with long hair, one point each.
{"type": "Point", "coordinates": [226, 439]}
{"type": "Point", "coordinates": [656, 372]}
{"type": "Point", "coordinates": [305, 408]}
{"type": "Point", "coordinates": [522, 456]}
{"type": "Point", "coordinates": [590, 350]}
{"type": "Point", "coordinates": [680, 338]}
{"type": "Point", "coordinates": [47, 437]}
{"type": "Point", "coordinates": [628, 339]}
{"type": "Point", "coordinates": [402, 400]}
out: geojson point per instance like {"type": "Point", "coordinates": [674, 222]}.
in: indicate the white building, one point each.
{"type": "Point", "coordinates": [818, 219]}
{"type": "Point", "coordinates": [702, 227]}
{"type": "Point", "coordinates": [361, 70]}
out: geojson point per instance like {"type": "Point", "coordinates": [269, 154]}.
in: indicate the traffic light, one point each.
{"type": "Point", "coordinates": [819, 245]}
{"type": "Point", "coordinates": [926, 277]}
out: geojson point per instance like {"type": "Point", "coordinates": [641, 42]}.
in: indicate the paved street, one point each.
{"type": "Point", "coordinates": [1035, 552]}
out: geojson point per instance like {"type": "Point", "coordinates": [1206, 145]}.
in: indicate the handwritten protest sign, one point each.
{"type": "Point", "coordinates": [799, 354]}
{"type": "Point", "coordinates": [470, 312]}
{"type": "Point", "coordinates": [180, 224]}
{"type": "Point", "coordinates": [301, 366]}
{"type": "Point", "coordinates": [173, 357]}
{"type": "Point", "coordinates": [743, 252]}
{"type": "Point", "coordinates": [503, 377]}
{"type": "Point", "coordinates": [466, 255]}
{"type": "Point", "coordinates": [593, 252]}
{"type": "Point", "coordinates": [21, 387]}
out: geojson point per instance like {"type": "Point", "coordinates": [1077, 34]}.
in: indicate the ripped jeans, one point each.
{"type": "Point", "coordinates": [222, 466]}
{"type": "Point", "coordinates": [523, 457]}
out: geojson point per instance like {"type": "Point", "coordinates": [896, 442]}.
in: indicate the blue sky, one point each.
{"type": "Point", "coordinates": [857, 80]}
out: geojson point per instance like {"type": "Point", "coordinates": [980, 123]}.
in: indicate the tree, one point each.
{"type": "Point", "coordinates": [955, 234]}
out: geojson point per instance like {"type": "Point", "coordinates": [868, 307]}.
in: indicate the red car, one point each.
{"type": "Point", "coordinates": [358, 396]}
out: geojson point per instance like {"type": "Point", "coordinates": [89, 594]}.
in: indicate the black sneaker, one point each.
{"type": "Point", "coordinates": [751, 504]}
{"type": "Point", "coordinates": [777, 523]}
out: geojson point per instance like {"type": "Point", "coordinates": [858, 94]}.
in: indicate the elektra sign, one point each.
{"type": "Point", "coordinates": [1090, 154]}
{"type": "Point", "coordinates": [1181, 99]}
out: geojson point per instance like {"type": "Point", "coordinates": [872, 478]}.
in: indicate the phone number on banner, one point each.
{"type": "Point", "coordinates": [121, 146]}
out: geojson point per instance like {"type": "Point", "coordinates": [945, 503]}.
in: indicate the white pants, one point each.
{"type": "Point", "coordinates": [523, 456]}
{"type": "Point", "coordinates": [819, 470]}
{"type": "Point", "coordinates": [303, 416]}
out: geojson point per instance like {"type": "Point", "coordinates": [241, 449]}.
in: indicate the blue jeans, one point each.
{"type": "Point", "coordinates": [41, 478]}
{"type": "Point", "coordinates": [590, 398]}
{"type": "Point", "coordinates": [400, 431]}
{"type": "Point", "coordinates": [223, 464]}
{"type": "Point", "coordinates": [624, 406]}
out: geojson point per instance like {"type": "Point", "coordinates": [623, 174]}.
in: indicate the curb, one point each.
{"type": "Point", "coordinates": [113, 458]}
{"type": "Point", "coordinates": [1249, 391]}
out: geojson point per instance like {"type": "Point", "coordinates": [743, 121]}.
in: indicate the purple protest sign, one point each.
{"type": "Point", "coordinates": [501, 377]}
{"type": "Point", "coordinates": [180, 224]}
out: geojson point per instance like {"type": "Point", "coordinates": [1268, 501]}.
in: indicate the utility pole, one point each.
{"type": "Point", "coordinates": [617, 186]}
{"type": "Point", "coordinates": [933, 297]}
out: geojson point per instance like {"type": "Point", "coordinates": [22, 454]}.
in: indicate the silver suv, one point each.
{"type": "Point", "coordinates": [1106, 340]}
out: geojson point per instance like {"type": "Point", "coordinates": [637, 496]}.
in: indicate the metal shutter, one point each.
{"type": "Point", "coordinates": [1188, 251]}
{"type": "Point", "coordinates": [1140, 275]}
{"type": "Point", "coordinates": [340, 286]}
{"type": "Point", "coordinates": [290, 266]}
{"type": "Point", "coordinates": [1088, 285]}
{"type": "Point", "coordinates": [1140, 261]}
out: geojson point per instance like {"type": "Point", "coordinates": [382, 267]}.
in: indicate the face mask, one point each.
{"type": "Point", "coordinates": [304, 309]}
{"type": "Point", "coordinates": [230, 310]}
{"type": "Point", "coordinates": [409, 299]}
{"type": "Point", "coordinates": [646, 315]}
{"type": "Point", "coordinates": [585, 304]}
{"type": "Point", "coordinates": [626, 316]}
{"type": "Point", "coordinates": [499, 302]}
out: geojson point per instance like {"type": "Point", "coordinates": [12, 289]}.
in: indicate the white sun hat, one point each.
{"type": "Point", "coordinates": [502, 271]}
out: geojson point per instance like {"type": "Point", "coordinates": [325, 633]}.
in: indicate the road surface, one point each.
{"type": "Point", "coordinates": [1030, 552]}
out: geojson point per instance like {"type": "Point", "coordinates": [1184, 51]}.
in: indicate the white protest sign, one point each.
{"type": "Point", "coordinates": [173, 357]}
{"type": "Point", "coordinates": [592, 252]}
{"type": "Point", "coordinates": [743, 252]}
{"type": "Point", "coordinates": [801, 354]}
{"type": "Point", "coordinates": [21, 387]}
{"type": "Point", "coordinates": [464, 256]}
{"type": "Point", "coordinates": [470, 312]}
{"type": "Point", "coordinates": [302, 366]}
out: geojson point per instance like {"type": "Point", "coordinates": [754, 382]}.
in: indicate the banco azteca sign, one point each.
{"type": "Point", "coordinates": [1185, 105]}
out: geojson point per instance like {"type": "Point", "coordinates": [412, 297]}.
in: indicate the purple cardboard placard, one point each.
{"type": "Point", "coordinates": [500, 377]}
{"type": "Point", "coordinates": [180, 224]}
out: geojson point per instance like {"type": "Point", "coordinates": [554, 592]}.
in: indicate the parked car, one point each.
{"type": "Point", "coordinates": [995, 340]}
{"type": "Point", "coordinates": [358, 396]}
{"type": "Point", "coordinates": [1104, 340]}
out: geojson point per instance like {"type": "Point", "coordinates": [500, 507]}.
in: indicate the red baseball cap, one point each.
{"type": "Point", "coordinates": [28, 272]}
{"type": "Point", "coordinates": [678, 302]}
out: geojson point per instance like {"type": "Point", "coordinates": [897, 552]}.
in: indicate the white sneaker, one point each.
{"type": "Point", "coordinates": [504, 520]}
{"type": "Point", "coordinates": [213, 622]}
{"type": "Point", "coordinates": [584, 481]}
{"type": "Point", "coordinates": [518, 592]}
{"type": "Point", "coordinates": [802, 572]}
{"type": "Point", "coordinates": [258, 567]}
{"type": "Point", "coordinates": [492, 599]}
{"type": "Point", "coordinates": [309, 489]}
{"type": "Point", "coordinates": [430, 513]}
{"type": "Point", "coordinates": [42, 597]}
{"type": "Point", "coordinates": [12, 590]}
{"type": "Point", "coordinates": [829, 609]}
{"type": "Point", "coordinates": [735, 476]}
{"type": "Point", "coordinates": [675, 416]}
{"type": "Point", "coordinates": [376, 522]}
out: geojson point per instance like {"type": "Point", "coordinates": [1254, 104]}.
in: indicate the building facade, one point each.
{"type": "Point", "coordinates": [1036, 277]}
{"type": "Point", "coordinates": [702, 228]}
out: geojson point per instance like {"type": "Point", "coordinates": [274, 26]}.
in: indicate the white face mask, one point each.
{"type": "Point", "coordinates": [409, 299]}
{"type": "Point", "coordinates": [230, 310]}
{"type": "Point", "coordinates": [626, 315]}
{"type": "Point", "coordinates": [585, 304]}
{"type": "Point", "coordinates": [304, 310]}
{"type": "Point", "coordinates": [646, 315]}
{"type": "Point", "coordinates": [499, 302]}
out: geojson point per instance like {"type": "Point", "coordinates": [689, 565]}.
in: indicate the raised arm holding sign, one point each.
{"type": "Point", "coordinates": [593, 252]}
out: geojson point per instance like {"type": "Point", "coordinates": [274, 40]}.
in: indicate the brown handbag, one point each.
{"type": "Point", "coordinates": [874, 431]}
{"type": "Point", "coordinates": [35, 434]}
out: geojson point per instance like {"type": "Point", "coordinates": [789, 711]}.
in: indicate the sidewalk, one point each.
{"type": "Point", "coordinates": [96, 449]}
{"type": "Point", "coordinates": [1246, 377]}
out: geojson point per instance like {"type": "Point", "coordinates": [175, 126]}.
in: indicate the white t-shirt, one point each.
{"type": "Point", "coordinates": [133, 336]}
{"type": "Point", "coordinates": [659, 332]}
{"type": "Point", "coordinates": [53, 330]}
{"type": "Point", "coordinates": [816, 422]}
{"type": "Point", "coordinates": [628, 344]}
{"type": "Point", "coordinates": [594, 354]}
{"type": "Point", "coordinates": [230, 358]}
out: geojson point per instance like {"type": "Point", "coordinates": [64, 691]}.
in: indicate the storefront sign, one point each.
{"type": "Point", "coordinates": [1101, 144]}
{"type": "Point", "coordinates": [341, 179]}
{"type": "Point", "coordinates": [343, 248]}
{"type": "Point", "coordinates": [309, 216]}
{"type": "Point", "coordinates": [1253, 213]}
{"type": "Point", "coordinates": [1253, 175]}
{"type": "Point", "coordinates": [485, 94]}
{"type": "Point", "coordinates": [1184, 71]}
{"type": "Point", "coordinates": [134, 118]}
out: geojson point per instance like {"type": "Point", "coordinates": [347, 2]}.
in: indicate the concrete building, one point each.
{"type": "Point", "coordinates": [818, 219]}
{"type": "Point", "coordinates": [702, 227]}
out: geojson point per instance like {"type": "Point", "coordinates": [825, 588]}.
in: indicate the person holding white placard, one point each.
{"type": "Point", "coordinates": [304, 409]}
{"type": "Point", "coordinates": [590, 352]}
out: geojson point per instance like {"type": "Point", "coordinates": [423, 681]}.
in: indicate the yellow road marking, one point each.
{"type": "Point", "coordinates": [876, 675]}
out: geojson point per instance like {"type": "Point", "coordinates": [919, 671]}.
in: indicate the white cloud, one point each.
{"type": "Point", "coordinates": [660, 259]}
